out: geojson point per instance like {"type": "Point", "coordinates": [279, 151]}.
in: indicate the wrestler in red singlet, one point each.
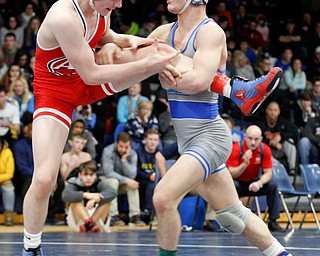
{"type": "Point", "coordinates": [58, 88]}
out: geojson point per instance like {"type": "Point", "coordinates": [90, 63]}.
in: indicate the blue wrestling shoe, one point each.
{"type": "Point", "coordinates": [285, 253]}
{"type": "Point", "coordinates": [32, 252]}
{"type": "Point", "coordinates": [248, 95]}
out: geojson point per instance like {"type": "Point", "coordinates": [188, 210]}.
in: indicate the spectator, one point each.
{"type": "Point", "coordinates": [22, 59]}
{"type": "Point", "coordinates": [138, 124]}
{"type": "Point", "coordinates": [280, 136]}
{"type": "Point", "coordinates": [6, 175]}
{"type": "Point", "coordinates": [309, 143]}
{"type": "Point", "coordinates": [242, 67]}
{"type": "Point", "coordinates": [262, 67]}
{"type": "Point", "coordinates": [20, 95]}
{"type": "Point", "coordinates": [30, 35]}
{"type": "Point", "coordinates": [12, 73]}
{"type": "Point", "coordinates": [290, 37]}
{"type": "Point", "coordinates": [119, 169]}
{"type": "Point", "coordinates": [221, 9]}
{"type": "Point", "coordinates": [73, 158]}
{"type": "Point", "coordinates": [302, 110]}
{"type": "Point", "coordinates": [77, 127]}
{"type": "Point", "coordinates": [294, 80]}
{"type": "Point", "coordinates": [263, 29]}
{"type": "Point", "coordinates": [10, 48]}
{"type": "Point", "coordinates": [27, 14]}
{"type": "Point", "coordinates": [286, 59]}
{"type": "Point", "coordinates": [253, 37]}
{"type": "Point", "coordinates": [127, 105]}
{"type": "Point", "coordinates": [9, 118]}
{"type": "Point", "coordinates": [87, 192]}
{"type": "Point", "coordinates": [315, 94]}
{"type": "Point", "coordinates": [146, 169]}
{"type": "Point", "coordinates": [244, 164]}
{"type": "Point", "coordinates": [250, 54]}
{"type": "Point", "coordinates": [85, 111]}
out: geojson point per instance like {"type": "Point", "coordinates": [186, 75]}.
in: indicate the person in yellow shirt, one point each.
{"type": "Point", "coordinates": [6, 174]}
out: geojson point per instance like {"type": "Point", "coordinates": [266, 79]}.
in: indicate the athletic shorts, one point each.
{"type": "Point", "coordinates": [209, 141]}
{"type": "Point", "coordinates": [58, 102]}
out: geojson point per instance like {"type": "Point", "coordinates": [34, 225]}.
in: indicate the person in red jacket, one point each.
{"type": "Point", "coordinates": [245, 164]}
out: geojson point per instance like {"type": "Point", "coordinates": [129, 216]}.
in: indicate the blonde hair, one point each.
{"type": "Point", "coordinates": [236, 56]}
{"type": "Point", "coordinates": [145, 103]}
{"type": "Point", "coordinates": [26, 96]}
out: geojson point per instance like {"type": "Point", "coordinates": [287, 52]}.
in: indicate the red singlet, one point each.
{"type": "Point", "coordinates": [58, 88]}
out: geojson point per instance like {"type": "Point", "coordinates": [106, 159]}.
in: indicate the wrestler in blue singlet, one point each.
{"type": "Point", "coordinates": [200, 130]}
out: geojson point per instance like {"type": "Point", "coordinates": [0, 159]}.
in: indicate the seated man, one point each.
{"type": "Point", "coordinates": [85, 193]}
{"type": "Point", "coordinates": [119, 169]}
{"type": "Point", "coordinates": [244, 164]}
{"type": "Point", "coordinates": [280, 135]}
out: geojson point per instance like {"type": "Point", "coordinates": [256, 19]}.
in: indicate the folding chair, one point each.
{"type": "Point", "coordinates": [169, 163]}
{"type": "Point", "coordinates": [256, 202]}
{"type": "Point", "coordinates": [311, 179]}
{"type": "Point", "coordinates": [286, 189]}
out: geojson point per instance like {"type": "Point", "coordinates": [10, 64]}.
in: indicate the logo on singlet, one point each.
{"type": "Point", "coordinates": [61, 67]}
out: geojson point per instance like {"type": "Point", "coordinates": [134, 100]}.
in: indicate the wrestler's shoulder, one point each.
{"type": "Point", "coordinates": [161, 32]}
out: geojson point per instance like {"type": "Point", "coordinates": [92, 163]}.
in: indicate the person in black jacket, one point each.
{"type": "Point", "coordinates": [280, 136]}
{"type": "Point", "coordinates": [86, 193]}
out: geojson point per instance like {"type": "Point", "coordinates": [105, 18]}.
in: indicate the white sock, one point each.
{"type": "Point", "coordinates": [31, 241]}
{"type": "Point", "coordinates": [227, 90]}
{"type": "Point", "coordinates": [275, 249]}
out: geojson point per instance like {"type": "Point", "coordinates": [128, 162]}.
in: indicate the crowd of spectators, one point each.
{"type": "Point", "coordinates": [260, 35]}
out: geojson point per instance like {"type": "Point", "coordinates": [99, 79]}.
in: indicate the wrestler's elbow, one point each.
{"type": "Point", "coordinates": [90, 78]}
{"type": "Point", "coordinates": [200, 85]}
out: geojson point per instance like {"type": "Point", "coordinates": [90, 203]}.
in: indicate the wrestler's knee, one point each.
{"type": "Point", "coordinates": [160, 201]}
{"type": "Point", "coordinates": [43, 185]}
{"type": "Point", "coordinates": [234, 218]}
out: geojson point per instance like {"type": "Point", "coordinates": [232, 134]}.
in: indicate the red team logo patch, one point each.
{"type": "Point", "coordinates": [61, 67]}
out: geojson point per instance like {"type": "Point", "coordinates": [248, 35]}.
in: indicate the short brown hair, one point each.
{"type": "Point", "coordinates": [89, 165]}
{"type": "Point", "coordinates": [124, 137]}
{"type": "Point", "coordinates": [151, 131]}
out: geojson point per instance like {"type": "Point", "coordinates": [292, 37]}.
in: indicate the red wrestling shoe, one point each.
{"type": "Point", "coordinates": [249, 95]}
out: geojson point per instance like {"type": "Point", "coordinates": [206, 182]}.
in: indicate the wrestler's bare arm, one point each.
{"type": "Point", "coordinates": [210, 56]}
{"type": "Point", "coordinates": [64, 27]}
